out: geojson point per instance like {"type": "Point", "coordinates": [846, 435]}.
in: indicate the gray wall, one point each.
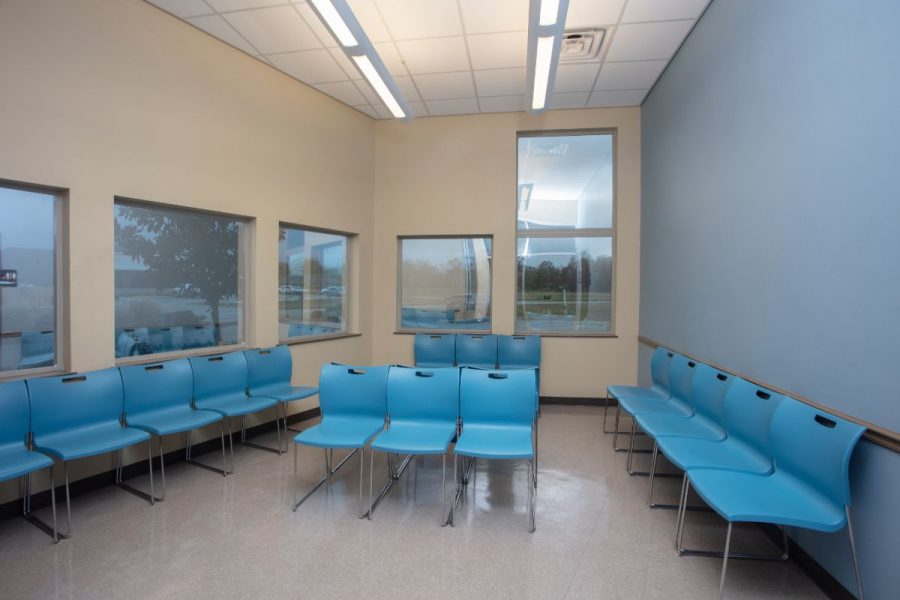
{"type": "Point", "coordinates": [771, 224]}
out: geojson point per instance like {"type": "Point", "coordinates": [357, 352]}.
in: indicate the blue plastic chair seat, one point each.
{"type": "Point", "coordinates": [779, 498]}
{"type": "Point", "coordinates": [636, 406]}
{"type": "Point", "coordinates": [630, 391]}
{"type": "Point", "coordinates": [284, 392]}
{"type": "Point", "coordinates": [236, 405]}
{"type": "Point", "coordinates": [17, 460]}
{"type": "Point", "coordinates": [415, 437]}
{"type": "Point", "coordinates": [175, 419]}
{"type": "Point", "coordinates": [89, 441]}
{"type": "Point", "coordinates": [495, 441]}
{"type": "Point", "coordinates": [730, 454]}
{"type": "Point", "coordinates": [341, 432]}
{"type": "Point", "coordinates": [698, 426]}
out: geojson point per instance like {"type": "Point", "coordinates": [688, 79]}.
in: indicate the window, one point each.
{"type": "Point", "coordinates": [445, 284]}
{"type": "Point", "coordinates": [179, 279]}
{"type": "Point", "coordinates": [565, 233]}
{"type": "Point", "coordinates": [30, 316]}
{"type": "Point", "coordinates": [313, 273]}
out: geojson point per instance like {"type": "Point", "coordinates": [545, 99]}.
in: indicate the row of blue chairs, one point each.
{"type": "Point", "coordinates": [420, 411]}
{"type": "Point", "coordinates": [89, 414]}
{"type": "Point", "coordinates": [752, 455]}
{"type": "Point", "coordinates": [474, 350]}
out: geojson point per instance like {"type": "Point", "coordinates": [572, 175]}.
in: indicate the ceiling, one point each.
{"type": "Point", "coordinates": [453, 57]}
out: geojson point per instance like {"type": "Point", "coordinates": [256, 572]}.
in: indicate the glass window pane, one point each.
{"type": "Point", "coordinates": [178, 279]}
{"type": "Point", "coordinates": [312, 283]}
{"type": "Point", "coordinates": [445, 283]}
{"type": "Point", "coordinates": [565, 182]}
{"type": "Point", "coordinates": [27, 280]}
{"type": "Point", "coordinates": [564, 285]}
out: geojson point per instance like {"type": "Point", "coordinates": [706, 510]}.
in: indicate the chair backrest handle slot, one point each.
{"type": "Point", "coordinates": [763, 395]}
{"type": "Point", "coordinates": [265, 352]}
{"type": "Point", "coordinates": [75, 379]}
{"type": "Point", "coordinates": [670, 354]}
{"type": "Point", "coordinates": [217, 359]}
{"type": "Point", "coordinates": [356, 371]}
{"type": "Point", "coordinates": [154, 367]}
{"type": "Point", "coordinates": [424, 373]}
{"type": "Point", "coordinates": [435, 337]}
{"type": "Point", "coordinates": [692, 364]}
{"type": "Point", "coordinates": [721, 377]}
{"type": "Point", "coordinates": [498, 375]}
{"type": "Point", "coordinates": [826, 422]}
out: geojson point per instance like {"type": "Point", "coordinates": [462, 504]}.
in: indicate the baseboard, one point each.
{"type": "Point", "coordinates": [570, 401]}
{"type": "Point", "coordinates": [94, 482]}
{"type": "Point", "coordinates": [824, 580]}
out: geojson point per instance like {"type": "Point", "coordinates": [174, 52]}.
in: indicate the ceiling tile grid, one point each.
{"type": "Point", "coordinates": [452, 57]}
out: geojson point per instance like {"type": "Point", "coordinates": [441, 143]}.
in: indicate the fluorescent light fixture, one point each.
{"type": "Point", "coordinates": [335, 22]}
{"type": "Point", "coordinates": [368, 70]}
{"type": "Point", "coordinates": [546, 25]}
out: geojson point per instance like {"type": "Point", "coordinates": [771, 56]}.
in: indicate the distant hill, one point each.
{"type": "Point", "coordinates": [35, 265]}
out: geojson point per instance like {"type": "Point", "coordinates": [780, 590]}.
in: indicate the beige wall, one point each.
{"type": "Point", "coordinates": [115, 97]}
{"type": "Point", "coordinates": [457, 175]}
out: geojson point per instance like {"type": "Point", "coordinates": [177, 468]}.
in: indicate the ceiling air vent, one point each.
{"type": "Point", "coordinates": [581, 45]}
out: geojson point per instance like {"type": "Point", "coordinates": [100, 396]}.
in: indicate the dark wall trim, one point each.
{"type": "Point", "coordinates": [824, 580]}
{"type": "Point", "coordinates": [569, 401]}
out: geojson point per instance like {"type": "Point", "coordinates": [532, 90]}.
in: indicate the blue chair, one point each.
{"type": "Point", "coordinates": [79, 416]}
{"type": "Point", "coordinates": [422, 416]}
{"type": "Point", "coordinates": [523, 352]}
{"type": "Point", "coordinates": [220, 385]}
{"type": "Point", "coordinates": [353, 404]}
{"type": "Point", "coordinates": [809, 486]}
{"type": "Point", "coordinates": [496, 411]}
{"type": "Point", "coordinates": [476, 350]}
{"type": "Point", "coordinates": [659, 375]}
{"type": "Point", "coordinates": [434, 350]}
{"type": "Point", "coordinates": [17, 459]}
{"type": "Point", "coordinates": [158, 399]}
{"type": "Point", "coordinates": [269, 374]}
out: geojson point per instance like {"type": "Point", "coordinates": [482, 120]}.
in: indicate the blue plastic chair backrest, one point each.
{"type": "Point", "coordinates": [681, 375]}
{"type": "Point", "coordinates": [518, 351]}
{"type": "Point", "coordinates": [157, 385]}
{"type": "Point", "coordinates": [815, 447]}
{"type": "Point", "coordinates": [345, 390]}
{"type": "Point", "coordinates": [434, 350]}
{"type": "Point", "coordinates": [219, 375]}
{"type": "Point", "coordinates": [708, 389]}
{"type": "Point", "coordinates": [748, 414]}
{"type": "Point", "coordinates": [659, 367]}
{"type": "Point", "coordinates": [75, 401]}
{"type": "Point", "coordinates": [473, 350]}
{"type": "Point", "coordinates": [268, 366]}
{"type": "Point", "coordinates": [14, 413]}
{"type": "Point", "coordinates": [422, 393]}
{"type": "Point", "coordinates": [497, 397]}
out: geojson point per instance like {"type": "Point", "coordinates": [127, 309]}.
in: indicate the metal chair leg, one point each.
{"type": "Point", "coordinates": [443, 484]}
{"type": "Point", "coordinates": [532, 493]}
{"type": "Point", "coordinates": [362, 456]}
{"type": "Point", "coordinates": [224, 471]}
{"type": "Point", "coordinates": [725, 561]}
{"type": "Point", "coordinates": [28, 515]}
{"type": "Point", "coordinates": [853, 553]}
{"type": "Point", "coordinates": [371, 478]}
{"type": "Point", "coordinates": [120, 475]}
{"type": "Point", "coordinates": [162, 469]}
{"type": "Point", "coordinates": [328, 473]}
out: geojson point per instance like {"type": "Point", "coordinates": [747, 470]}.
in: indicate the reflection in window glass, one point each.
{"type": "Point", "coordinates": [178, 279]}
{"type": "Point", "coordinates": [565, 182]}
{"type": "Point", "coordinates": [564, 285]}
{"type": "Point", "coordinates": [27, 279]}
{"type": "Point", "coordinates": [445, 283]}
{"type": "Point", "coordinates": [312, 283]}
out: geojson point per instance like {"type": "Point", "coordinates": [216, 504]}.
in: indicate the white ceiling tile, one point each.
{"type": "Point", "coordinates": [277, 29]}
{"type": "Point", "coordinates": [407, 88]}
{"type": "Point", "coordinates": [443, 86]}
{"type": "Point", "coordinates": [367, 14]}
{"type": "Point", "coordinates": [368, 110]}
{"type": "Point", "coordinates": [569, 100]}
{"type": "Point", "coordinates": [624, 98]}
{"type": "Point", "coordinates": [343, 91]}
{"type": "Point", "coordinates": [367, 91]}
{"type": "Point", "coordinates": [345, 63]}
{"type": "Point", "coordinates": [218, 27]}
{"type": "Point", "coordinates": [648, 41]}
{"type": "Point", "coordinates": [575, 78]}
{"type": "Point", "coordinates": [184, 8]}
{"type": "Point", "coordinates": [588, 13]}
{"type": "Point", "coordinates": [418, 109]}
{"type": "Point", "coordinates": [500, 82]}
{"type": "Point", "coordinates": [439, 55]}
{"type": "Point", "coordinates": [635, 75]}
{"type": "Point", "coordinates": [310, 66]}
{"type": "Point", "coordinates": [229, 5]}
{"type": "Point", "coordinates": [480, 16]}
{"type": "Point", "coordinates": [315, 23]}
{"type": "Point", "coordinates": [464, 106]}
{"type": "Point", "coordinates": [662, 10]}
{"type": "Point", "coordinates": [408, 20]}
{"type": "Point", "coordinates": [391, 58]}
{"type": "Point", "coordinates": [499, 50]}
{"type": "Point", "coordinates": [502, 103]}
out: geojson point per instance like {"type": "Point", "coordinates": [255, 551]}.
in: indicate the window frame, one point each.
{"type": "Point", "coordinates": [595, 232]}
{"type": "Point", "coordinates": [60, 278]}
{"type": "Point", "coordinates": [399, 291]}
{"type": "Point", "coordinates": [348, 288]}
{"type": "Point", "coordinates": [245, 257]}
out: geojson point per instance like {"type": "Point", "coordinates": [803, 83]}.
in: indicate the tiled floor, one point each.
{"type": "Point", "coordinates": [236, 537]}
